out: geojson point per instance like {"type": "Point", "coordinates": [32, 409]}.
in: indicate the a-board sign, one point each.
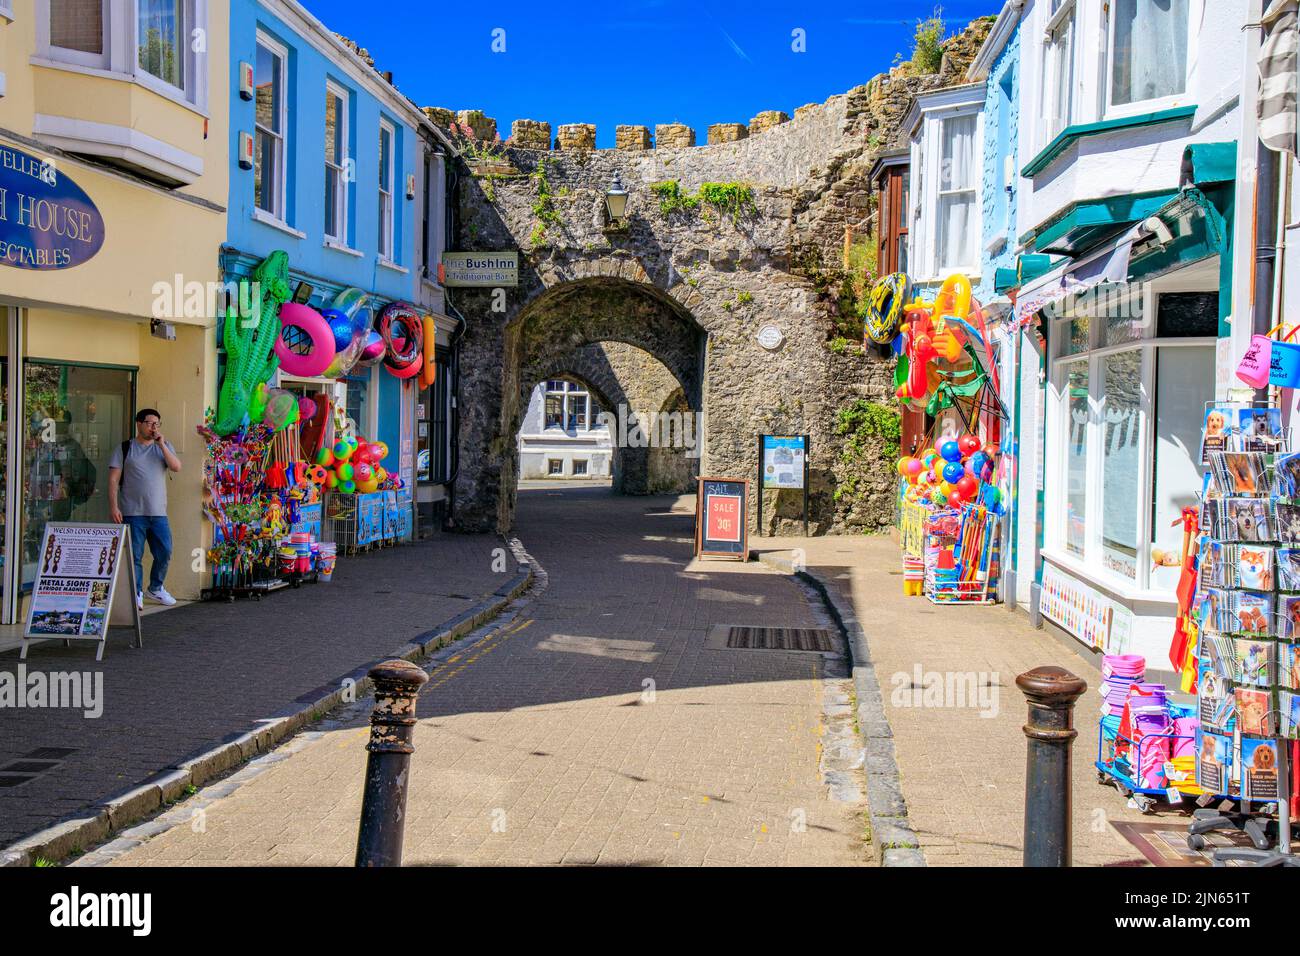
{"type": "Point", "coordinates": [721, 515]}
{"type": "Point", "coordinates": [784, 457]}
{"type": "Point", "coordinates": [84, 583]}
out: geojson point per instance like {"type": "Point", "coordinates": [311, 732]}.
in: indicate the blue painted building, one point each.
{"type": "Point", "coordinates": [331, 163]}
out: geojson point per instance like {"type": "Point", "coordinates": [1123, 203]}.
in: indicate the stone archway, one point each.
{"type": "Point", "coordinates": [655, 430]}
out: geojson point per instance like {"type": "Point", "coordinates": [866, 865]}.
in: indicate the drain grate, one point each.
{"type": "Point", "coordinates": [15, 779]}
{"type": "Point", "coordinates": [743, 638]}
{"type": "Point", "coordinates": [50, 753]}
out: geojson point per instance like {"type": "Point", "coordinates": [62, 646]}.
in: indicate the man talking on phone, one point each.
{"type": "Point", "coordinates": [137, 497]}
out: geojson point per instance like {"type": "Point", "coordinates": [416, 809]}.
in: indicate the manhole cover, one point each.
{"type": "Point", "coordinates": [744, 638]}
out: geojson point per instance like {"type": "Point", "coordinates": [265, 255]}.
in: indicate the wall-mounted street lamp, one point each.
{"type": "Point", "coordinates": [616, 201]}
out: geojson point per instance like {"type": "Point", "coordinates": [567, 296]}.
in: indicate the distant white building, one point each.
{"type": "Point", "coordinates": [559, 437]}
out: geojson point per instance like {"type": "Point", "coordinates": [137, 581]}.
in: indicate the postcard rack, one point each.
{"type": "Point", "coordinates": [1247, 607]}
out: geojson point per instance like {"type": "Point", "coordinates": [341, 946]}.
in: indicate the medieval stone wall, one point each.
{"type": "Point", "coordinates": [689, 281]}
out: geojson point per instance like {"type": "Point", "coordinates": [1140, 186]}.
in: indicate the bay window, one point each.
{"type": "Point", "coordinates": [1147, 43]}
{"type": "Point", "coordinates": [336, 178]}
{"type": "Point", "coordinates": [269, 167]}
{"type": "Point", "coordinates": [1129, 400]}
{"type": "Point", "coordinates": [149, 41]}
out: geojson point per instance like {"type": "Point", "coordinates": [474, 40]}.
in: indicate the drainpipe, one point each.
{"type": "Point", "coordinates": [1266, 196]}
{"type": "Point", "coordinates": [450, 228]}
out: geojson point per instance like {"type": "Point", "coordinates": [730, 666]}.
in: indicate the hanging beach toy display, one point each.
{"type": "Point", "coordinates": [402, 331]}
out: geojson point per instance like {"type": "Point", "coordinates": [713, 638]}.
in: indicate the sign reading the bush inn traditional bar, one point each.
{"type": "Point", "coordinates": [46, 220]}
{"type": "Point", "coordinates": [480, 269]}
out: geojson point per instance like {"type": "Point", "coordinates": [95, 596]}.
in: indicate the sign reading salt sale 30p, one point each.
{"type": "Point", "coordinates": [720, 518]}
{"type": "Point", "coordinates": [47, 221]}
{"type": "Point", "coordinates": [480, 269]}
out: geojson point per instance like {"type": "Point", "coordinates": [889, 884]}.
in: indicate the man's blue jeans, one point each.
{"type": "Point", "coordinates": [158, 532]}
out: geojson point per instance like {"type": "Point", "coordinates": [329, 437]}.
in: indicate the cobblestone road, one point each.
{"type": "Point", "coordinates": [596, 727]}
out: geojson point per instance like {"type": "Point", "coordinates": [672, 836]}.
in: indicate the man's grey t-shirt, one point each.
{"type": "Point", "coordinates": [143, 490]}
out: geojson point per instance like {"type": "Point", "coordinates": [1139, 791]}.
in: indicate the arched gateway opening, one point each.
{"type": "Point", "coordinates": [634, 351]}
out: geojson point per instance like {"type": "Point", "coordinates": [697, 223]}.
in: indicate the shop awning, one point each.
{"type": "Point", "coordinates": [1110, 242]}
{"type": "Point", "coordinates": [1085, 224]}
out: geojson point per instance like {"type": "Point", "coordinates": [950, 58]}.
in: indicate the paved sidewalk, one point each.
{"type": "Point", "coordinates": [963, 774]}
{"type": "Point", "coordinates": [209, 671]}
{"type": "Point", "coordinates": [596, 727]}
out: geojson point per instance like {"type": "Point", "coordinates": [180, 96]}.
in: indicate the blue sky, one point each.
{"type": "Point", "coordinates": [635, 61]}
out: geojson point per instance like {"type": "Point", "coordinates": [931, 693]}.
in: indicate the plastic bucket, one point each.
{"type": "Point", "coordinates": [1254, 366]}
{"type": "Point", "coordinates": [1284, 365]}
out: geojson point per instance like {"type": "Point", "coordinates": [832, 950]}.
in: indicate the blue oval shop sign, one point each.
{"type": "Point", "coordinates": [46, 220]}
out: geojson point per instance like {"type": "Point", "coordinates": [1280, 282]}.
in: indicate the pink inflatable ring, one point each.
{"type": "Point", "coordinates": [312, 325]}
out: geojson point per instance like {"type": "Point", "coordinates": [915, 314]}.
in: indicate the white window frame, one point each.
{"type": "Point", "coordinates": [1194, 16]}
{"type": "Point", "coordinates": [280, 213]}
{"type": "Point", "coordinates": [99, 61]}
{"type": "Point", "coordinates": [927, 154]}
{"type": "Point", "coordinates": [339, 170]}
{"type": "Point", "coordinates": [121, 57]}
{"type": "Point", "coordinates": [387, 210]}
{"type": "Point", "coordinates": [1091, 564]}
{"type": "Point", "coordinates": [1055, 67]}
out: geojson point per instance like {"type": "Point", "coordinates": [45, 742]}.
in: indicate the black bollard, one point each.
{"type": "Point", "coordinates": [1051, 692]}
{"type": "Point", "coordinates": [388, 768]}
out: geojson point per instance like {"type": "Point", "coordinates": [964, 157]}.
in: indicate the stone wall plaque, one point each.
{"type": "Point", "coordinates": [770, 337]}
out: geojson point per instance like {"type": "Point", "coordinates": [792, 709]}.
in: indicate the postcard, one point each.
{"type": "Point", "coordinates": [1258, 769]}
{"type": "Point", "coordinates": [1261, 429]}
{"type": "Point", "coordinates": [1254, 711]}
{"type": "Point", "coordinates": [1255, 662]}
{"type": "Point", "coordinates": [1213, 761]}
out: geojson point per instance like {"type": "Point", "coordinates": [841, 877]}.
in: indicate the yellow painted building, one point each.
{"type": "Point", "coordinates": [131, 106]}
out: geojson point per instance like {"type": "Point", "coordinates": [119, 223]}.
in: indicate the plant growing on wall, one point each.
{"type": "Point", "coordinates": [543, 205]}
{"type": "Point", "coordinates": [733, 199]}
{"type": "Point", "coordinates": [475, 149]}
{"type": "Point", "coordinates": [871, 433]}
{"type": "Point", "coordinates": [927, 45]}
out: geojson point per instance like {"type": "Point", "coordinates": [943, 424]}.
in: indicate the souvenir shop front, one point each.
{"type": "Point", "coordinates": [88, 340]}
{"type": "Point", "coordinates": [310, 447]}
{"type": "Point", "coordinates": [951, 501]}
{"type": "Point", "coordinates": [1130, 332]}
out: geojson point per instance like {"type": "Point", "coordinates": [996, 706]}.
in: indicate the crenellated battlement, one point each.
{"type": "Point", "coordinates": [569, 137]}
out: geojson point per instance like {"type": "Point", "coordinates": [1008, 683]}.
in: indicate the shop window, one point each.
{"type": "Point", "coordinates": [1076, 456]}
{"type": "Point", "coordinates": [269, 168]}
{"type": "Point", "coordinates": [75, 416]}
{"type": "Point", "coordinates": [1120, 425]}
{"type": "Point", "coordinates": [336, 163]}
{"type": "Point", "coordinates": [386, 175]}
{"type": "Point", "coordinates": [579, 466]}
{"type": "Point", "coordinates": [1148, 51]}
{"type": "Point", "coordinates": [1129, 408]}
{"type": "Point", "coordinates": [554, 466]}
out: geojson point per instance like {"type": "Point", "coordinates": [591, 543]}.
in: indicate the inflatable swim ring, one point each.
{"type": "Point", "coordinates": [885, 308]}
{"type": "Point", "coordinates": [312, 325]}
